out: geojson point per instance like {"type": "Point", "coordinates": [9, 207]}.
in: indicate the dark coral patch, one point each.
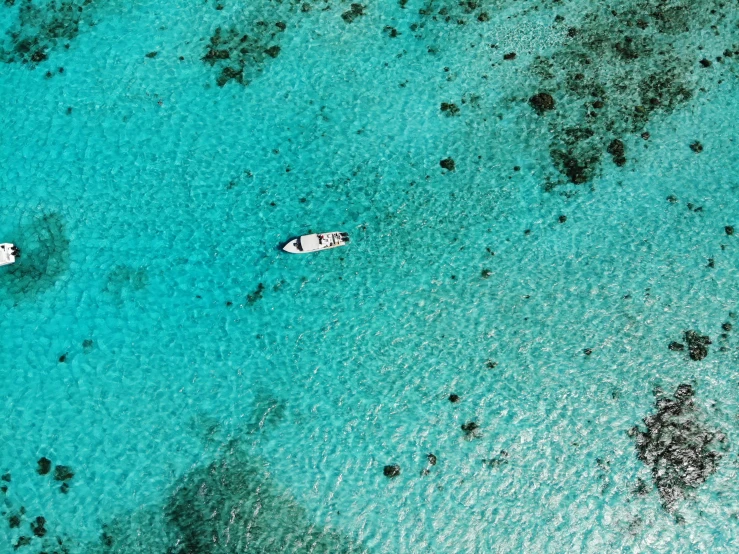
{"type": "Point", "coordinates": [239, 56]}
{"type": "Point", "coordinates": [629, 67]}
{"type": "Point", "coordinates": [697, 345]}
{"type": "Point", "coordinates": [42, 27]}
{"type": "Point", "coordinates": [617, 149]}
{"type": "Point", "coordinates": [448, 164]}
{"type": "Point", "coordinates": [234, 505]}
{"type": "Point", "coordinates": [677, 446]}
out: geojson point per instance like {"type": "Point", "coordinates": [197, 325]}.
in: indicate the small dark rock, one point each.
{"type": "Point", "coordinates": [22, 541]}
{"type": "Point", "coordinates": [469, 427]}
{"type": "Point", "coordinates": [645, 135]}
{"type": "Point", "coordinates": [450, 108]}
{"type": "Point", "coordinates": [447, 163]}
{"type": "Point", "coordinates": [453, 398]}
{"type": "Point", "coordinates": [6, 477]}
{"type": "Point", "coordinates": [62, 358]}
{"type": "Point", "coordinates": [281, 25]}
{"type": "Point", "coordinates": [562, 218]}
{"type": "Point", "coordinates": [63, 473]}
{"type": "Point", "coordinates": [587, 351]}
{"type": "Point", "coordinates": [672, 198]}
{"type": "Point", "coordinates": [509, 56]}
{"type": "Point", "coordinates": [542, 102]}
{"type": "Point", "coordinates": [486, 273]}
{"type": "Point", "coordinates": [44, 466]}
{"type": "Point", "coordinates": [432, 459]}
{"type": "Point", "coordinates": [617, 150]}
{"type": "Point", "coordinates": [355, 11]}
{"type": "Point", "coordinates": [64, 488]}
{"type": "Point", "coordinates": [696, 147]}
{"type": "Point", "coordinates": [726, 327]}
{"type": "Point", "coordinates": [705, 62]}
{"type": "Point", "coordinates": [729, 230]}
{"type": "Point", "coordinates": [39, 56]}
{"type": "Point", "coordinates": [37, 526]}
{"type": "Point", "coordinates": [14, 521]}
{"type": "Point", "coordinates": [598, 104]}
{"type": "Point", "coordinates": [676, 346]}
{"type": "Point", "coordinates": [490, 364]}
{"type": "Point", "coordinates": [391, 471]}
{"type": "Point", "coordinates": [87, 345]}
{"type": "Point", "coordinates": [392, 32]}
{"type": "Point", "coordinates": [152, 54]}
{"type": "Point", "coordinates": [273, 51]}
{"type": "Point", "coordinates": [483, 17]}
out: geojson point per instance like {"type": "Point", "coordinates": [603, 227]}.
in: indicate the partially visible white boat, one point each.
{"type": "Point", "coordinates": [8, 253]}
{"type": "Point", "coordinates": [315, 242]}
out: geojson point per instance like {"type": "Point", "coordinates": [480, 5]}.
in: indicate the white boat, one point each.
{"type": "Point", "coordinates": [8, 253]}
{"type": "Point", "coordinates": [315, 242]}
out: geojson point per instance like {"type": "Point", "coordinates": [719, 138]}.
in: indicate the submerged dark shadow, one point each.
{"type": "Point", "coordinates": [45, 257]}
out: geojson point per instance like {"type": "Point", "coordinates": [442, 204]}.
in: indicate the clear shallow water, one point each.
{"type": "Point", "coordinates": [141, 221]}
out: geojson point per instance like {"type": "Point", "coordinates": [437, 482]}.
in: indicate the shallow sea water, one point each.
{"type": "Point", "coordinates": [212, 394]}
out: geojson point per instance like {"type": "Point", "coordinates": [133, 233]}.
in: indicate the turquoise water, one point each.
{"type": "Point", "coordinates": [200, 383]}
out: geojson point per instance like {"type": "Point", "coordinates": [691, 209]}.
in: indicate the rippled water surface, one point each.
{"type": "Point", "coordinates": [541, 198]}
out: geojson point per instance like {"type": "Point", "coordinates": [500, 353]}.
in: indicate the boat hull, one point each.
{"type": "Point", "coordinates": [308, 244]}
{"type": "Point", "coordinates": [8, 253]}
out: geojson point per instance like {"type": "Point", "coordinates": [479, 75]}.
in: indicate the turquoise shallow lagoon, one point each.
{"type": "Point", "coordinates": [214, 395]}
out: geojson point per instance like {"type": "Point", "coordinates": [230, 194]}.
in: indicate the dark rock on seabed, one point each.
{"type": "Point", "coordinates": [21, 542]}
{"type": "Point", "coordinates": [353, 13]}
{"type": "Point", "coordinates": [391, 471]}
{"type": "Point", "coordinates": [44, 466]}
{"type": "Point", "coordinates": [697, 345]}
{"type": "Point", "coordinates": [38, 526]}
{"type": "Point", "coordinates": [677, 446]}
{"type": "Point", "coordinates": [470, 427]}
{"type": "Point", "coordinates": [449, 108]}
{"type": "Point", "coordinates": [63, 473]}
{"type": "Point", "coordinates": [542, 102]}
